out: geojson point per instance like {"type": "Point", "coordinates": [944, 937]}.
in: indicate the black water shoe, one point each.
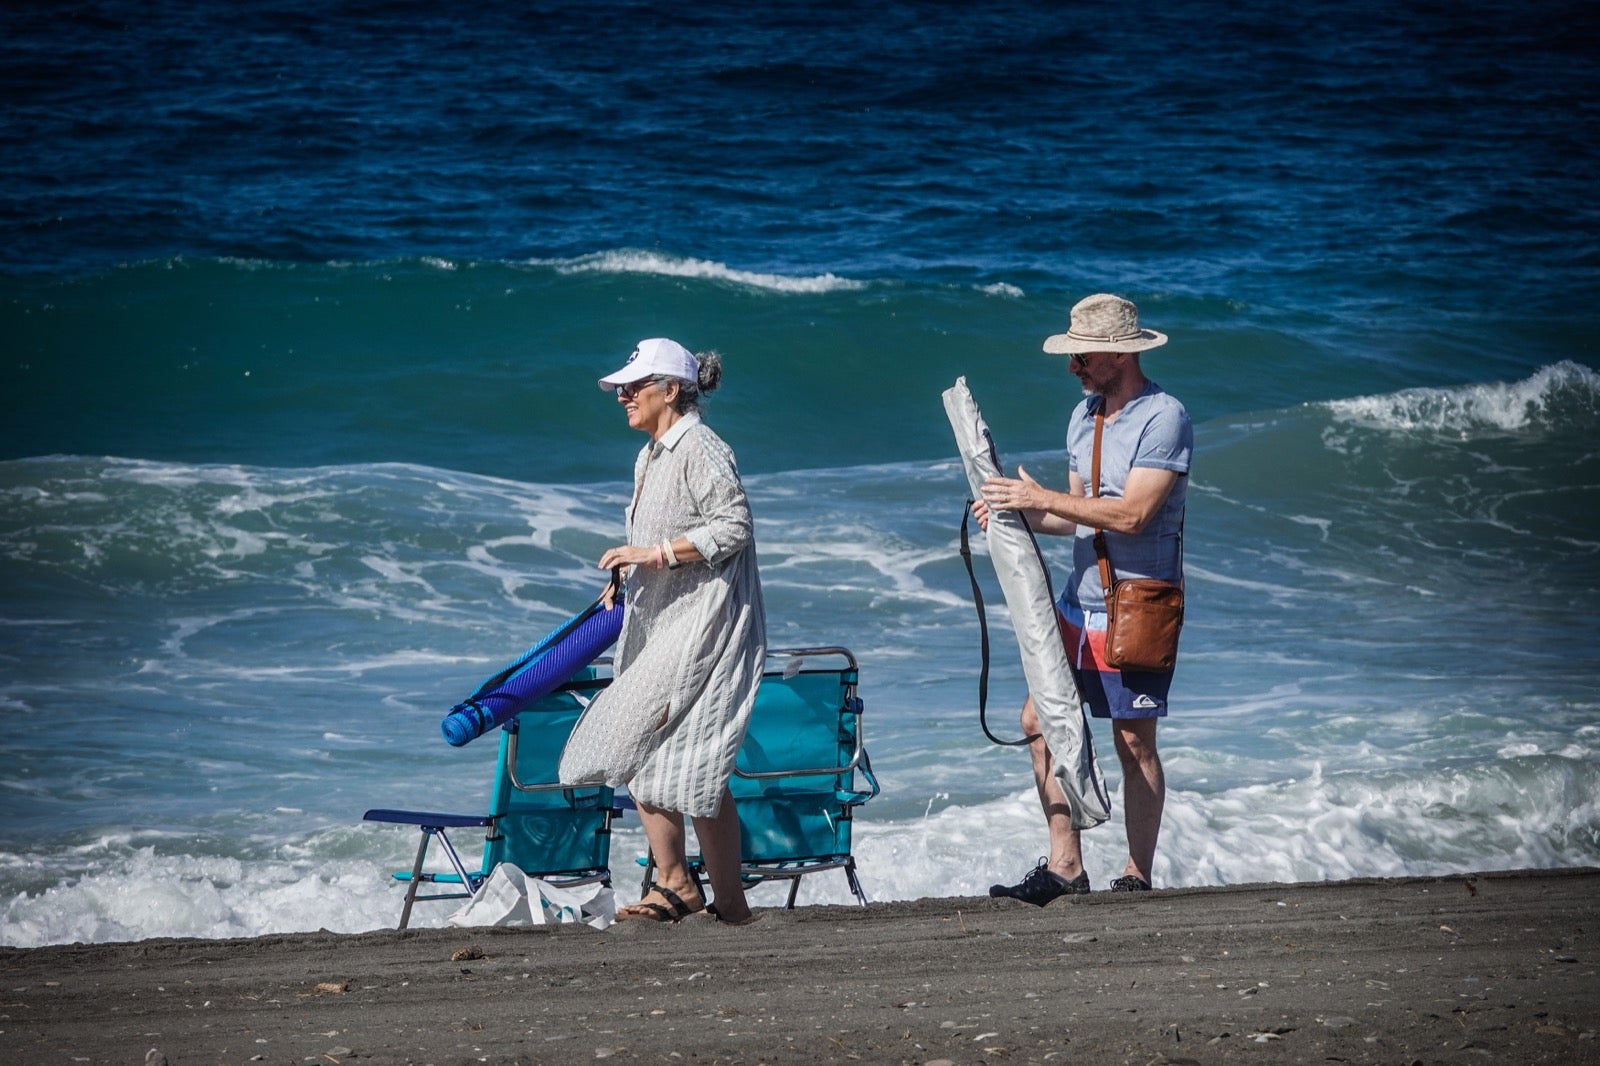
{"type": "Point", "coordinates": [1130, 883]}
{"type": "Point", "coordinates": [1042, 885]}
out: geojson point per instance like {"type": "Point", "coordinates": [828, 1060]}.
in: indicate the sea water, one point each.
{"type": "Point", "coordinates": [301, 311]}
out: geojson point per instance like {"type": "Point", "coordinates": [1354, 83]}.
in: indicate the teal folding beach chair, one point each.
{"type": "Point", "coordinates": [798, 774]}
{"type": "Point", "coordinates": [796, 781]}
{"type": "Point", "coordinates": [562, 835]}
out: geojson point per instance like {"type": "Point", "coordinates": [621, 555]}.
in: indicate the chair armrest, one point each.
{"type": "Point", "coordinates": [429, 818]}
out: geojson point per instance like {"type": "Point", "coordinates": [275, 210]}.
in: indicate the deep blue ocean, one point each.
{"type": "Point", "coordinates": [301, 311]}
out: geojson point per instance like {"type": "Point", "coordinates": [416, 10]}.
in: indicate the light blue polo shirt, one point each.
{"type": "Point", "coordinates": [1153, 430]}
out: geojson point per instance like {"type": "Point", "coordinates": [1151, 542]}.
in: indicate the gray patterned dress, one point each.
{"type": "Point", "coordinates": [693, 642]}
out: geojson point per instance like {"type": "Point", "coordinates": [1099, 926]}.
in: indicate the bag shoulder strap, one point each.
{"type": "Point", "coordinates": [1106, 576]}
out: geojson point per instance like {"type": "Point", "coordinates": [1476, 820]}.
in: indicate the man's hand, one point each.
{"type": "Point", "coordinates": [1014, 494]}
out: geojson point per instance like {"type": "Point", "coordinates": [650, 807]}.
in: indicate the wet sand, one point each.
{"type": "Point", "coordinates": [1489, 968]}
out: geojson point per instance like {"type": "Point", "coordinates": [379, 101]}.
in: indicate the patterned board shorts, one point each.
{"type": "Point", "coordinates": [1108, 692]}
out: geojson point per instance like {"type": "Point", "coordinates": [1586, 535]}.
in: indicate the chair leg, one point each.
{"type": "Point", "coordinates": [855, 883]}
{"type": "Point", "coordinates": [416, 877]}
{"type": "Point", "coordinates": [649, 874]}
{"type": "Point", "coordinates": [468, 882]}
{"type": "Point", "coordinates": [794, 890]}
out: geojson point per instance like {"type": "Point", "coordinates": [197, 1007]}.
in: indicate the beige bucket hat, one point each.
{"type": "Point", "coordinates": [1104, 323]}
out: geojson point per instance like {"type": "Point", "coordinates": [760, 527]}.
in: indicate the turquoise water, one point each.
{"type": "Point", "coordinates": [299, 437]}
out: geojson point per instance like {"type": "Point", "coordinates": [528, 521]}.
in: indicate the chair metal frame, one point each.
{"type": "Point", "coordinates": [436, 826]}
{"type": "Point", "coordinates": [755, 872]}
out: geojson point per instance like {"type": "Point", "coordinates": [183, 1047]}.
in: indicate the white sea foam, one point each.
{"type": "Point", "coordinates": [193, 671]}
{"type": "Point", "coordinates": [1321, 525]}
{"type": "Point", "coordinates": [1465, 410]}
{"type": "Point", "coordinates": [147, 894]}
{"type": "Point", "coordinates": [632, 261]}
{"type": "Point", "coordinates": [870, 567]}
{"type": "Point", "coordinates": [311, 676]}
{"type": "Point", "coordinates": [1536, 811]}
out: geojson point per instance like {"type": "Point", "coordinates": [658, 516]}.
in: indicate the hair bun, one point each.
{"type": "Point", "coordinates": [710, 371]}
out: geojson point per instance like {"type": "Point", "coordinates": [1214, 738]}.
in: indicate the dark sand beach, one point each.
{"type": "Point", "coordinates": [1495, 967]}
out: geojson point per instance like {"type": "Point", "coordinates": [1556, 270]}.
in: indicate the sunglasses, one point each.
{"type": "Point", "coordinates": [633, 388]}
{"type": "Point", "coordinates": [1081, 359]}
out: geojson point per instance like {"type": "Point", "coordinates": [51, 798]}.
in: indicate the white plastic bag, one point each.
{"type": "Point", "coordinates": [511, 897]}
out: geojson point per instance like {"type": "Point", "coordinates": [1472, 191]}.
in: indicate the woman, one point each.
{"type": "Point", "coordinates": [693, 642]}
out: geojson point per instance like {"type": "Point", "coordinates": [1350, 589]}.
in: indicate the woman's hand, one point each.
{"type": "Point", "coordinates": [623, 555]}
{"type": "Point", "coordinates": [627, 555]}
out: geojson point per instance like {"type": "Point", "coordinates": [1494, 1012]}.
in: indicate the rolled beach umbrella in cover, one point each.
{"type": "Point", "coordinates": [1025, 580]}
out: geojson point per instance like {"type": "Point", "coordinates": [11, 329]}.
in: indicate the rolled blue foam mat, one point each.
{"type": "Point", "coordinates": [570, 647]}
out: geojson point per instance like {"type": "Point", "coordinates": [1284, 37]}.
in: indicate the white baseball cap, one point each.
{"type": "Point", "coordinates": [652, 357]}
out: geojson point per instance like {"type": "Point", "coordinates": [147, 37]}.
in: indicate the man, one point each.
{"type": "Point", "coordinates": [1144, 467]}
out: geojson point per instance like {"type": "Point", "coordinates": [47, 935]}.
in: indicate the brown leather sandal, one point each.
{"type": "Point", "coordinates": [676, 909]}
